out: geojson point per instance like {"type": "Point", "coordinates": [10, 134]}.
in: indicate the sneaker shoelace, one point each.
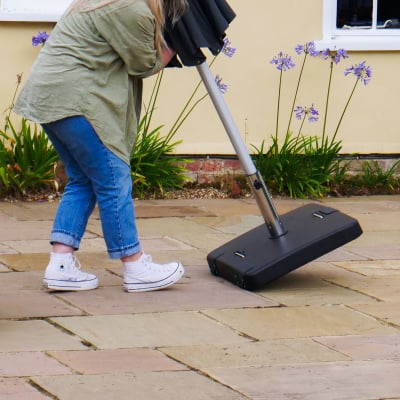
{"type": "Point", "coordinates": [148, 263]}
{"type": "Point", "coordinates": [75, 266]}
{"type": "Point", "coordinates": [146, 259]}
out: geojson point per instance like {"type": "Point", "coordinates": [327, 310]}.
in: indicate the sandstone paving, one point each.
{"type": "Point", "coordinates": [372, 267]}
{"type": "Point", "coordinates": [292, 322]}
{"type": "Point", "coordinates": [12, 281]}
{"type": "Point", "coordinates": [328, 330]}
{"type": "Point", "coordinates": [384, 287]}
{"type": "Point", "coordinates": [365, 347]}
{"type": "Point", "coordinates": [189, 257]}
{"type": "Point", "coordinates": [30, 211]}
{"type": "Point", "coordinates": [356, 380]}
{"type": "Point", "coordinates": [38, 261]}
{"type": "Point", "coordinates": [19, 389]}
{"type": "Point", "coordinates": [325, 294]}
{"type": "Point", "coordinates": [212, 207]}
{"type": "Point", "coordinates": [149, 330]}
{"type": "Point", "coordinates": [198, 290]}
{"type": "Point", "coordinates": [4, 249]}
{"type": "Point", "coordinates": [115, 361]}
{"type": "Point", "coordinates": [163, 210]}
{"type": "Point", "coordinates": [313, 275]}
{"type": "Point", "coordinates": [3, 268]}
{"type": "Point", "coordinates": [255, 354]}
{"type": "Point", "coordinates": [35, 335]}
{"type": "Point", "coordinates": [30, 363]}
{"type": "Point", "coordinates": [25, 262]}
{"type": "Point", "coordinates": [377, 245]}
{"type": "Point", "coordinates": [33, 304]}
{"type": "Point", "coordinates": [389, 251]}
{"type": "Point", "coordinates": [33, 280]}
{"type": "Point", "coordinates": [388, 312]}
{"type": "Point", "coordinates": [313, 284]}
{"type": "Point", "coordinates": [32, 230]}
{"type": "Point", "coordinates": [168, 385]}
{"type": "Point", "coordinates": [343, 253]}
{"type": "Point", "coordinates": [235, 224]}
{"type": "Point", "coordinates": [32, 246]}
{"type": "Point", "coordinates": [364, 204]}
{"type": "Point", "coordinates": [187, 231]}
{"type": "Point", "coordinates": [378, 221]}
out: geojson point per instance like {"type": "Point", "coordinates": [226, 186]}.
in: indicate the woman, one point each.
{"type": "Point", "coordinates": [85, 90]}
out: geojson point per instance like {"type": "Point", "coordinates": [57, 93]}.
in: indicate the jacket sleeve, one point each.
{"type": "Point", "coordinates": [129, 30]}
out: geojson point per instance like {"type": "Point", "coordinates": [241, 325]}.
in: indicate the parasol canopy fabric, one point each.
{"type": "Point", "coordinates": [202, 26]}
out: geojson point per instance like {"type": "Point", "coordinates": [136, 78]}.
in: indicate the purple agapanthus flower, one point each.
{"type": "Point", "coordinates": [334, 55]}
{"type": "Point", "coordinates": [223, 87]}
{"type": "Point", "coordinates": [308, 48]}
{"type": "Point", "coordinates": [361, 71]}
{"type": "Point", "coordinates": [283, 62]}
{"type": "Point", "coordinates": [40, 38]}
{"type": "Point", "coordinates": [310, 112]}
{"type": "Point", "coordinates": [227, 49]}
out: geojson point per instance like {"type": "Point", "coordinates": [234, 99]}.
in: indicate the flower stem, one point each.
{"type": "Point", "coordinates": [11, 107]}
{"type": "Point", "coordinates": [183, 114]}
{"type": "Point", "coordinates": [296, 92]}
{"type": "Point", "coordinates": [327, 101]}
{"type": "Point", "coordinates": [152, 102]}
{"type": "Point", "coordinates": [278, 108]}
{"type": "Point", "coordinates": [344, 111]}
{"type": "Point", "coordinates": [182, 117]}
{"type": "Point", "coordinates": [301, 127]}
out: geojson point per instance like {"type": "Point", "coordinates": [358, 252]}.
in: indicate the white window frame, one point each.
{"type": "Point", "coordinates": [361, 39]}
{"type": "Point", "coordinates": [32, 10]}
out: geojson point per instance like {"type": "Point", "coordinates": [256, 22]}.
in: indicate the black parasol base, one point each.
{"type": "Point", "coordinates": [256, 258]}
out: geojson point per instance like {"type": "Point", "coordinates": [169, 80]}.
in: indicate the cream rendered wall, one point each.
{"type": "Point", "coordinates": [260, 30]}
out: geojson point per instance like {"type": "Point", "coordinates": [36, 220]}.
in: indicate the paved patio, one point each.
{"type": "Point", "coordinates": [329, 330]}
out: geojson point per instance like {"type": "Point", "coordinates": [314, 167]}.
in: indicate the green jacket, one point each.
{"type": "Point", "coordinates": [93, 65]}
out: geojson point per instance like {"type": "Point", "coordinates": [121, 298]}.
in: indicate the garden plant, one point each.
{"type": "Point", "coordinates": [294, 164]}
{"type": "Point", "coordinates": [297, 164]}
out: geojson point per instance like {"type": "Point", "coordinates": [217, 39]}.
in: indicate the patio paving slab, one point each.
{"type": "Point", "coordinates": [116, 361]}
{"type": "Point", "coordinates": [254, 354]}
{"type": "Point", "coordinates": [38, 261]}
{"type": "Point", "coordinates": [292, 322]}
{"type": "Point", "coordinates": [197, 290]}
{"type": "Point", "coordinates": [388, 312]}
{"type": "Point", "coordinates": [149, 330]}
{"type": "Point", "coordinates": [148, 210]}
{"type": "Point", "coordinates": [33, 230]}
{"type": "Point", "coordinates": [365, 347]}
{"type": "Point", "coordinates": [357, 380]}
{"type": "Point", "coordinates": [329, 330]}
{"type": "Point", "coordinates": [30, 363]}
{"type": "Point", "coordinates": [33, 304]}
{"type": "Point", "coordinates": [372, 268]}
{"type": "Point", "coordinates": [18, 389]}
{"type": "Point", "coordinates": [35, 335]}
{"type": "Point", "coordinates": [187, 231]}
{"type": "Point", "coordinates": [382, 288]}
{"type": "Point", "coordinates": [182, 385]}
{"type": "Point", "coordinates": [325, 294]}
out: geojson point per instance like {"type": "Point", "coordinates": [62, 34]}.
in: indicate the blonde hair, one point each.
{"type": "Point", "coordinates": [161, 9]}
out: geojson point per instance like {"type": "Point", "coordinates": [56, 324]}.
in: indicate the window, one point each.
{"type": "Point", "coordinates": [361, 24]}
{"type": "Point", "coordinates": [32, 10]}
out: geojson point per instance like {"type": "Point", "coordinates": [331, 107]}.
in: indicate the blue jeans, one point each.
{"type": "Point", "coordinates": [95, 174]}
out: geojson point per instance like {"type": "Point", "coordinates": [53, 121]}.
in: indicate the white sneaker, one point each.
{"type": "Point", "coordinates": [64, 273]}
{"type": "Point", "coordinates": [144, 275]}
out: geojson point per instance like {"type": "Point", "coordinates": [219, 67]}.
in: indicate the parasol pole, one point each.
{"type": "Point", "coordinates": [256, 181]}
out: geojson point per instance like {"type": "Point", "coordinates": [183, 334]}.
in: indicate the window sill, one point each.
{"type": "Point", "coordinates": [360, 43]}
{"type": "Point", "coordinates": [24, 17]}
